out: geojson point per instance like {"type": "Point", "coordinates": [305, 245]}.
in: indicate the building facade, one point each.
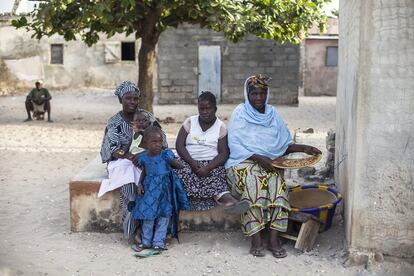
{"type": "Point", "coordinates": [375, 125]}
{"type": "Point", "coordinates": [320, 61]}
{"type": "Point", "coordinates": [62, 64]}
{"type": "Point", "coordinates": [191, 60]}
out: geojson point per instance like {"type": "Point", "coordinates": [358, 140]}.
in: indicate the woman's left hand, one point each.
{"type": "Point", "coordinates": [203, 171]}
{"type": "Point", "coordinates": [311, 150]}
{"type": "Point", "coordinates": [134, 159]}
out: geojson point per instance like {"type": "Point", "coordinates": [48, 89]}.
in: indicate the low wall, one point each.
{"type": "Point", "coordinates": [88, 213]}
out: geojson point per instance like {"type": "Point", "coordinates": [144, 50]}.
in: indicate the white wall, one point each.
{"type": "Point", "coordinates": [375, 124]}
{"type": "Point", "coordinates": [83, 66]}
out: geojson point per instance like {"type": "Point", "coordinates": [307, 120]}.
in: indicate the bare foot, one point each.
{"type": "Point", "coordinates": [275, 245]}
{"type": "Point", "coordinates": [256, 248]}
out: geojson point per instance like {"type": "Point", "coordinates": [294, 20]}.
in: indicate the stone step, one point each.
{"type": "Point", "coordinates": [88, 213]}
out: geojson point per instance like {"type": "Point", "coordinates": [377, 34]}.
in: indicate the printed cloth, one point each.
{"type": "Point", "coordinates": [202, 190]}
{"type": "Point", "coordinates": [265, 191]}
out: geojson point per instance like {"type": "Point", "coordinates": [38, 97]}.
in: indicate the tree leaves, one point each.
{"type": "Point", "coordinates": [282, 20]}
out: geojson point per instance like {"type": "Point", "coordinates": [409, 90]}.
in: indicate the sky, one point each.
{"type": "Point", "coordinates": [26, 6]}
{"type": "Point", "coordinates": [7, 5]}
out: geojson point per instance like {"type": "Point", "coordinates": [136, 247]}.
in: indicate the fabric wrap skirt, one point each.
{"type": "Point", "coordinates": [266, 193]}
{"type": "Point", "coordinates": [202, 190]}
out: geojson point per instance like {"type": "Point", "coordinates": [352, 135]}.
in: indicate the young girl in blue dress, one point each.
{"type": "Point", "coordinates": [162, 193]}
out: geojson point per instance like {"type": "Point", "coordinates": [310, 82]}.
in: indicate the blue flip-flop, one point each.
{"type": "Point", "coordinates": [147, 253]}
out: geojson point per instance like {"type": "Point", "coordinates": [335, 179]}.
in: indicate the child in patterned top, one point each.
{"type": "Point", "coordinates": [139, 124]}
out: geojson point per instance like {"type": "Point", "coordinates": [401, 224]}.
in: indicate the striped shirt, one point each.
{"type": "Point", "coordinates": [118, 135]}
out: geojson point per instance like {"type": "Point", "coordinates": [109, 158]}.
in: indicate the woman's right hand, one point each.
{"type": "Point", "coordinates": [194, 166]}
{"type": "Point", "coordinates": [140, 189]}
{"type": "Point", "coordinates": [120, 153]}
{"type": "Point", "coordinates": [264, 162]}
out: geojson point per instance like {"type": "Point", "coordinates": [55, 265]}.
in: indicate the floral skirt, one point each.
{"type": "Point", "coordinates": [201, 190]}
{"type": "Point", "coordinates": [266, 193]}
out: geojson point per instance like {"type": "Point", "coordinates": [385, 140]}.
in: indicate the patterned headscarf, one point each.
{"type": "Point", "coordinates": [126, 87]}
{"type": "Point", "coordinates": [258, 81]}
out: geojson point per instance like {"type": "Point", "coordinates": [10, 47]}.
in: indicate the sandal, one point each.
{"type": "Point", "coordinates": [278, 253]}
{"type": "Point", "coordinates": [139, 247]}
{"type": "Point", "coordinates": [146, 254]}
{"type": "Point", "coordinates": [257, 252]}
{"type": "Point", "coordinates": [159, 249]}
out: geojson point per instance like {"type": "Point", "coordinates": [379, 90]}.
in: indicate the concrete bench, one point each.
{"type": "Point", "coordinates": [92, 214]}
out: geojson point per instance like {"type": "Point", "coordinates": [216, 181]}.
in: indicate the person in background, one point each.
{"type": "Point", "coordinates": [38, 102]}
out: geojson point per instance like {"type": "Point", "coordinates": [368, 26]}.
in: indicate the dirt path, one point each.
{"type": "Point", "coordinates": [39, 159]}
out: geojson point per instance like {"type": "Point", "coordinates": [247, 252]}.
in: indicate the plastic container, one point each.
{"type": "Point", "coordinates": [317, 200]}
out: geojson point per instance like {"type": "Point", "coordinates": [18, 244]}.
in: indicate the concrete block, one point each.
{"type": "Point", "coordinates": [292, 57]}
{"type": "Point", "coordinates": [277, 63]}
{"type": "Point", "coordinates": [165, 82]}
{"type": "Point", "coordinates": [215, 219]}
{"type": "Point", "coordinates": [252, 63]}
{"type": "Point", "coordinates": [291, 50]}
{"type": "Point", "coordinates": [89, 213]}
{"type": "Point", "coordinates": [292, 63]}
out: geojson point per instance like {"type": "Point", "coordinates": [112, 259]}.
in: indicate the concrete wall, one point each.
{"type": "Point", "coordinates": [375, 124]}
{"type": "Point", "coordinates": [83, 66]}
{"type": "Point", "coordinates": [178, 66]}
{"type": "Point", "coordinates": [319, 79]}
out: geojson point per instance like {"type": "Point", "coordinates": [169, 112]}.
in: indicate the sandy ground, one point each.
{"type": "Point", "coordinates": [40, 158]}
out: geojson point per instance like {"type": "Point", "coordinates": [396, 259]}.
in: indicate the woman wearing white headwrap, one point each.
{"type": "Point", "coordinates": [117, 138]}
{"type": "Point", "coordinates": [257, 135]}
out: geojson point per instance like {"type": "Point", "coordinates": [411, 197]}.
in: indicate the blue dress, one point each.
{"type": "Point", "coordinates": [164, 194]}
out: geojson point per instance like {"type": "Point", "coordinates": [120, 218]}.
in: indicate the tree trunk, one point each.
{"type": "Point", "coordinates": [146, 62]}
{"type": "Point", "coordinates": [15, 7]}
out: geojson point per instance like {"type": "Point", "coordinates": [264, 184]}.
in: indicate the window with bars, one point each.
{"type": "Point", "coordinates": [56, 54]}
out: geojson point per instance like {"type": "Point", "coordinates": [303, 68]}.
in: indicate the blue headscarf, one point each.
{"type": "Point", "coordinates": [251, 132]}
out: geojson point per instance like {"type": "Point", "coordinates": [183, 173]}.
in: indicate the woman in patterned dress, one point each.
{"type": "Point", "coordinates": [202, 146]}
{"type": "Point", "coordinates": [257, 135]}
{"type": "Point", "coordinates": [117, 138]}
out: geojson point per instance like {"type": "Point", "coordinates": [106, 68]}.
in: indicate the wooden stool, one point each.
{"type": "Point", "coordinates": [308, 226]}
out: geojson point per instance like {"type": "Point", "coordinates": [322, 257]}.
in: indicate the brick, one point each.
{"type": "Point", "coordinates": [278, 63]}
{"type": "Point", "coordinates": [292, 63]}
{"type": "Point", "coordinates": [290, 50]}
{"type": "Point", "coordinates": [165, 82]}
{"type": "Point", "coordinates": [293, 57]}
{"type": "Point", "coordinates": [252, 63]}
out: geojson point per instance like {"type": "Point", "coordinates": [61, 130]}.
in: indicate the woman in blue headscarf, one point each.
{"type": "Point", "coordinates": [257, 135]}
{"type": "Point", "coordinates": [116, 141]}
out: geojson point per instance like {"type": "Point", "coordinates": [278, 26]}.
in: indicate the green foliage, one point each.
{"type": "Point", "coordinates": [282, 20]}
